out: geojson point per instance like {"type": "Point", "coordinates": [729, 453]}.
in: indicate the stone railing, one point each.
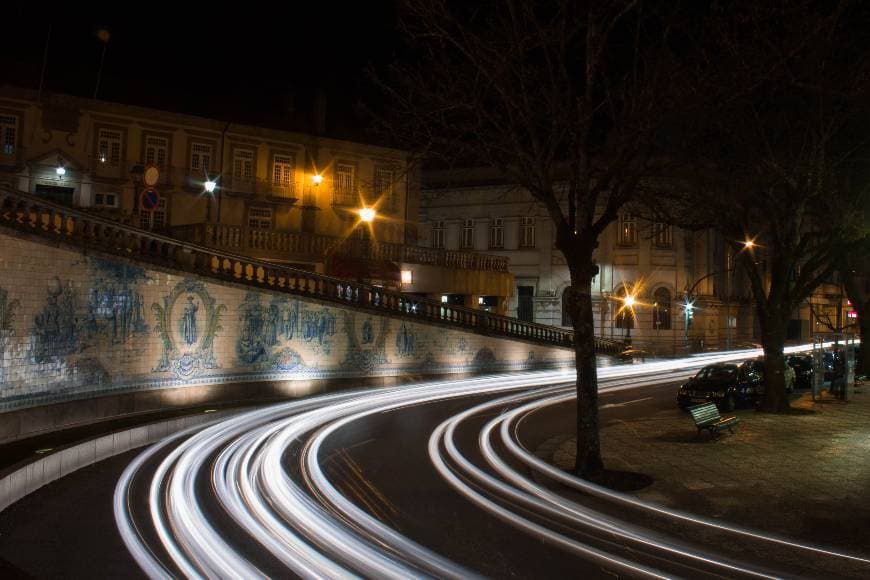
{"type": "Point", "coordinates": [278, 244]}
{"type": "Point", "coordinates": [33, 215]}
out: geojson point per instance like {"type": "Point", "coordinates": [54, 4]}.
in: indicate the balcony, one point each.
{"type": "Point", "coordinates": [303, 246]}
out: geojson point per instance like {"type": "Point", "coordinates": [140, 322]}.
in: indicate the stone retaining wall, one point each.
{"type": "Point", "coordinates": [77, 325]}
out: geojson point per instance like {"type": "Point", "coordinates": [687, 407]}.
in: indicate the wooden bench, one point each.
{"type": "Point", "coordinates": [706, 416]}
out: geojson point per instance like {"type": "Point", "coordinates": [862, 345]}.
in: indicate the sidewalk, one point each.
{"type": "Point", "coordinates": [805, 476]}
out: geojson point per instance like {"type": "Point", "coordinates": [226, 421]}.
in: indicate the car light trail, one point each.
{"type": "Point", "coordinates": [263, 471]}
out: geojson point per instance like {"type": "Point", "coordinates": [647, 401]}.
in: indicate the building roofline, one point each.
{"type": "Point", "coordinates": [30, 96]}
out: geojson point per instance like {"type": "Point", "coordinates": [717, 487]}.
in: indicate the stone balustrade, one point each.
{"type": "Point", "coordinates": [278, 243]}
{"type": "Point", "coordinates": [34, 215]}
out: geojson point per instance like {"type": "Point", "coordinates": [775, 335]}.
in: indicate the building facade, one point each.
{"type": "Point", "coordinates": [661, 266]}
{"type": "Point", "coordinates": [337, 207]}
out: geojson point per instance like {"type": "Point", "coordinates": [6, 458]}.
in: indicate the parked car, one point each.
{"type": "Point", "coordinates": [725, 384]}
{"type": "Point", "coordinates": [729, 385]}
{"type": "Point", "coordinates": [757, 366]}
{"type": "Point", "coordinates": [803, 369]}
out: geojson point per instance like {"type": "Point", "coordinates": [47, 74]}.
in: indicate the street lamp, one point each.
{"type": "Point", "coordinates": [688, 313]}
{"type": "Point", "coordinates": [317, 179]}
{"type": "Point", "coordinates": [367, 214]}
{"type": "Point", "coordinates": [60, 169]}
{"type": "Point", "coordinates": [628, 303]}
{"type": "Point", "coordinates": [210, 186]}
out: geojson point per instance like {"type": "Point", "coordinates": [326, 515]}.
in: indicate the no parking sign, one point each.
{"type": "Point", "coordinates": [150, 199]}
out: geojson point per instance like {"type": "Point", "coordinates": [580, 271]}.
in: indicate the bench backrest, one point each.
{"type": "Point", "coordinates": [705, 413]}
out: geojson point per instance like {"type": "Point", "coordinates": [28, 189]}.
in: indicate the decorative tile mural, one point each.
{"type": "Point", "coordinates": [406, 341]}
{"type": "Point", "coordinates": [56, 328]}
{"type": "Point", "coordinates": [187, 334]}
{"type": "Point", "coordinates": [115, 303]}
{"type": "Point", "coordinates": [7, 317]}
{"type": "Point", "coordinates": [366, 349]}
{"type": "Point", "coordinates": [74, 326]}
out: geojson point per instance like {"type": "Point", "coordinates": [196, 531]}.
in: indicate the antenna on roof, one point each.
{"type": "Point", "coordinates": [103, 36]}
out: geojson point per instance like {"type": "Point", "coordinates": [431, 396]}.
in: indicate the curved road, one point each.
{"type": "Point", "coordinates": [428, 479]}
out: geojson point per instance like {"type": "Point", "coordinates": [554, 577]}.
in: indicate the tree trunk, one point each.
{"type": "Point", "coordinates": [588, 440]}
{"type": "Point", "coordinates": [773, 341]}
{"type": "Point", "coordinates": [863, 367]}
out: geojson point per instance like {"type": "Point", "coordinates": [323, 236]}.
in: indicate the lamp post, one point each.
{"type": "Point", "coordinates": [628, 304]}
{"type": "Point", "coordinates": [688, 313]}
{"type": "Point", "coordinates": [689, 304]}
{"type": "Point", "coordinates": [209, 186]}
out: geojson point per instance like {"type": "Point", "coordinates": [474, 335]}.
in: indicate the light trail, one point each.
{"type": "Point", "coordinates": [262, 470]}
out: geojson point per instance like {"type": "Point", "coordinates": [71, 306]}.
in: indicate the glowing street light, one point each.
{"type": "Point", "coordinates": [60, 169]}
{"type": "Point", "coordinates": [317, 179]}
{"type": "Point", "coordinates": [628, 302]}
{"type": "Point", "coordinates": [688, 312]}
{"type": "Point", "coordinates": [367, 214]}
{"type": "Point", "coordinates": [749, 244]}
{"type": "Point", "coordinates": [210, 186]}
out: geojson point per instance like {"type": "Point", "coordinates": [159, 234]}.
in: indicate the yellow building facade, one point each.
{"type": "Point", "coordinates": [333, 206]}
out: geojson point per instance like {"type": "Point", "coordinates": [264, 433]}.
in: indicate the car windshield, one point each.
{"type": "Point", "coordinates": [716, 373]}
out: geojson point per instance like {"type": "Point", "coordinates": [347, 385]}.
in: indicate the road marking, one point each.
{"type": "Point", "coordinates": [607, 406]}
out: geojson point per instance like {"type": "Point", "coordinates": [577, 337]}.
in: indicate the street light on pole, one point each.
{"type": "Point", "coordinates": [628, 303]}
{"type": "Point", "coordinates": [688, 313]}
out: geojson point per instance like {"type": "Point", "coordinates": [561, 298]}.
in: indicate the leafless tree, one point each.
{"type": "Point", "coordinates": [780, 167]}
{"type": "Point", "coordinates": [569, 99]}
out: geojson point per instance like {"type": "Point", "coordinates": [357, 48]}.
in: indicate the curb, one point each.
{"type": "Point", "coordinates": [18, 483]}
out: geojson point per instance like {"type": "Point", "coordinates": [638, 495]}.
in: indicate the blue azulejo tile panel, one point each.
{"type": "Point", "coordinates": [75, 326]}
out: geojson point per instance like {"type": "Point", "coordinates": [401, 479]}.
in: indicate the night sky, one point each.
{"type": "Point", "coordinates": [242, 62]}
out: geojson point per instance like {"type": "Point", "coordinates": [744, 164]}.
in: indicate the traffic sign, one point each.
{"type": "Point", "coordinates": [151, 175]}
{"type": "Point", "coordinates": [150, 199]}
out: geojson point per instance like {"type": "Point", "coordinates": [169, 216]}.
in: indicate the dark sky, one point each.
{"type": "Point", "coordinates": [239, 61]}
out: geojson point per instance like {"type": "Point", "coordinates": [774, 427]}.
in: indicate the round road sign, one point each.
{"type": "Point", "coordinates": [150, 199]}
{"type": "Point", "coordinates": [151, 175]}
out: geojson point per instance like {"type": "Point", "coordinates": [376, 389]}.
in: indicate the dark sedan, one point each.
{"type": "Point", "coordinates": [727, 385]}
{"type": "Point", "coordinates": [803, 369]}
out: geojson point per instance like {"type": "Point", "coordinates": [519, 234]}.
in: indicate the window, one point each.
{"type": "Point", "coordinates": [468, 234]}
{"type": "Point", "coordinates": [105, 200]}
{"type": "Point", "coordinates": [154, 220]}
{"type": "Point", "coordinates": [439, 233]}
{"type": "Point", "coordinates": [260, 218]}
{"type": "Point", "coordinates": [243, 164]}
{"type": "Point", "coordinates": [384, 189]}
{"type": "Point", "coordinates": [527, 232]}
{"type": "Point", "coordinates": [662, 309]}
{"type": "Point", "coordinates": [344, 184]}
{"type": "Point", "coordinates": [661, 235]}
{"type": "Point", "coordinates": [282, 171]}
{"type": "Point", "coordinates": [109, 147]}
{"type": "Point", "coordinates": [496, 234]}
{"type": "Point", "coordinates": [627, 230]}
{"type": "Point", "coordinates": [200, 157]}
{"type": "Point", "coordinates": [156, 151]}
{"type": "Point", "coordinates": [8, 134]}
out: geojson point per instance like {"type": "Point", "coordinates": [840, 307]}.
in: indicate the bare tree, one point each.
{"type": "Point", "coordinates": [778, 174]}
{"type": "Point", "coordinates": [567, 99]}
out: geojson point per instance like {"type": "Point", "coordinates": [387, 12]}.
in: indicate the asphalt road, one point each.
{"type": "Point", "coordinates": [379, 462]}
{"type": "Point", "coordinates": [67, 529]}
